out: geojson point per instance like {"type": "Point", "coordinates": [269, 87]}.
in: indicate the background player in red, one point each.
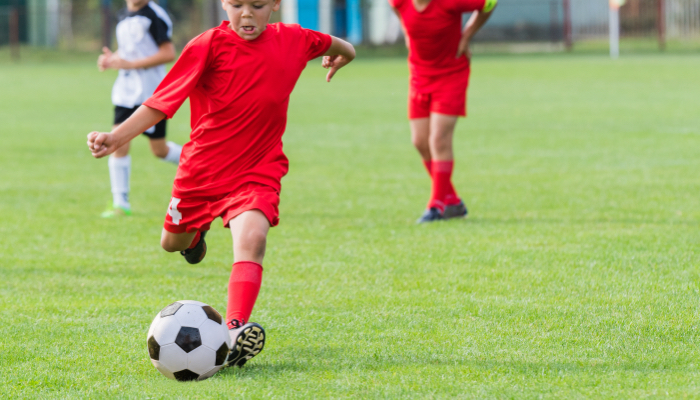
{"type": "Point", "coordinates": [438, 63]}
{"type": "Point", "coordinates": [238, 77]}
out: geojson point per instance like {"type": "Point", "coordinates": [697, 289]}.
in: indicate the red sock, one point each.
{"type": "Point", "coordinates": [195, 240]}
{"type": "Point", "coordinates": [428, 167]}
{"type": "Point", "coordinates": [443, 192]}
{"type": "Point", "coordinates": [243, 288]}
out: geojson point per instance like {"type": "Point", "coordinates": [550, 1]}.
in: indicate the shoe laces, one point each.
{"type": "Point", "coordinates": [234, 323]}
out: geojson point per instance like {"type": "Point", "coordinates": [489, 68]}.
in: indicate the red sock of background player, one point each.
{"type": "Point", "coordinates": [195, 240]}
{"type": "Point", "coordinates": [243, 289]}
{"type": "Point", "coordinates": [443, 193]}
{"type": "Point", "coordinates": [428, 167]}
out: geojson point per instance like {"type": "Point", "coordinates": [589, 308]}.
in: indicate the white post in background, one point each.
{"type": "Point", "coordinates": [379, 13]}
{"type": "Point", "coordinates": [290, 12]}
{"type": "Point", "coordinates": [325, 16]}
{"type": "Point", "coordinates": [615, 27]}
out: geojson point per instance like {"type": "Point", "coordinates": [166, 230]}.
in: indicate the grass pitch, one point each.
{"type": "Point", "coordinates": [574, 276]}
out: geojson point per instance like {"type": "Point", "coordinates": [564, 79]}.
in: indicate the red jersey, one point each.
{"type": "Point", "coordinates": [239, 94]}
{"type": "Point", "coordinates": [434, 34]}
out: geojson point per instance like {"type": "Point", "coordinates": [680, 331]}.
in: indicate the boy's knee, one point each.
{"type": "Point", "coordinates": [421, 144]}
{"type": "Point", "coordinates": [441, 142]}
{"type": "Point", "coordinates": [160, 153]}
{"type": "Point", "coordinates": [169, 245]}
{"type": "Point", "coordinates": [253, 243]}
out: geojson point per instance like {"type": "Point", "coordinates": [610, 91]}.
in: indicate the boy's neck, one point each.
{"type": "Point", "coordinates": [135, 5]}
{"type": "Point", "coordinates": [420, 5]}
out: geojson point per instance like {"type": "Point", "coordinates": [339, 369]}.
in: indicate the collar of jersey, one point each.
{"type": "Point", "coordinates": [263, 36]}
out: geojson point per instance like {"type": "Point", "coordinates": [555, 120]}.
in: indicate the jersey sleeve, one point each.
{"type": "Point", "coordinates": [182, 78]}
{"type": "Point", "coordinates": [317, 43]}
{"type": "Point", "coordinates": [464, 6]}
{"type": "Point", "coordinates": [160, 31]}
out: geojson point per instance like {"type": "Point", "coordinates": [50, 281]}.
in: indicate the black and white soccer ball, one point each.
{"type": "Point", "coordinates": [188, 340]}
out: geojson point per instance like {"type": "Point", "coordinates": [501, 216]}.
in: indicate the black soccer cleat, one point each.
{"type": "Point", "coordinates": [430, 215]}
{"type": "Point", "coordinates": [197, 253]}
{"type": "Point", "coordinates": [246, 342]}
{"type": "Point", "coordinates": [455, 211]}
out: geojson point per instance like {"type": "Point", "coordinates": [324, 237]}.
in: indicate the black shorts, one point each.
{"type": "Point", "coordinates": [122, 113]}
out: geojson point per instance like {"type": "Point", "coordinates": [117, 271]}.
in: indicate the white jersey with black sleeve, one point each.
{"type": "Point", "coordinates": [139, 35]}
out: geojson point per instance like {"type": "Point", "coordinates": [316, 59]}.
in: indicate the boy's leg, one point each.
{"type": "Point", "coordinates": [119, 175]}
{"type": "Point", "coordinates": [172, 242]}
{"type": "Point", "coordinates": [420, 135]}
{"type": "Point", "coordinates": [190, 245]}
{"type": "Point", "coordinates": [443, 197]}
{"type": "Point", "coordinates": [249, 233]}
{"type": "Point", "coordinates": [441, 134]}
{"type": "Point", "coordinates": [182, 216]}
{"type": "Point", "coordinates": [166, 151]}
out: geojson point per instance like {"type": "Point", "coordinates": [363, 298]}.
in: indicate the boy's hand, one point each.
{"type": "Point", "coordinates": [101, 144]}
{"type": "Point", "coordinates": [333, 64]}
{"type": "Point", "coordinates": [463, 49]}
{"type": "Point", "coordinates": [109, 60]}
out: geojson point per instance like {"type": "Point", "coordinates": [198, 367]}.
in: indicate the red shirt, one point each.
{"type": "Point", "coordinates": [239, 94]}
{"type": "Point", "coordinates": [434, 34]}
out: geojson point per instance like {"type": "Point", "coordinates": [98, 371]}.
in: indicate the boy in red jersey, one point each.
{"type": "Point", "coordinates": [438, 63]}
{"type": "Point", "coordinates": [238, 77]}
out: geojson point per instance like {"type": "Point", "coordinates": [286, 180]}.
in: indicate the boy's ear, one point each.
{"type": "Point", "coordinates": [275, 6]}
{"type": "Point", "coordinates": [223, 4]}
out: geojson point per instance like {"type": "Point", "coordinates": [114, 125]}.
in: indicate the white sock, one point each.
{"type": "Point", "coordinates": [119, 174]}
{"type": "Point", "coordinates": [173, 153]}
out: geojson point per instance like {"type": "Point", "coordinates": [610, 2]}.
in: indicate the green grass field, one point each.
{"type": "Point", "coordinates": [574, 276]}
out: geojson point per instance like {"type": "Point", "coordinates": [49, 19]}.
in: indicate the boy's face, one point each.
{"type": "Point", "coordinates": [134, 5]}
{"type": "Point", "coordinates": [249, 18]}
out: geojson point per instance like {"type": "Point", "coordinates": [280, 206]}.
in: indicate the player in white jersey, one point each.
{"type": "Point", "coordinates": [144, 34]}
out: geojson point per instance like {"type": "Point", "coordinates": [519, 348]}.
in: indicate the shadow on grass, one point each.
{"type": "Point", "coordinates": [341, 363]}
{"type": "Point", "coordinates": [577, 221]}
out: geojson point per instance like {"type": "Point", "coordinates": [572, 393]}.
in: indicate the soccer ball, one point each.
{"type": "Point", "coordinates": [188, 340]}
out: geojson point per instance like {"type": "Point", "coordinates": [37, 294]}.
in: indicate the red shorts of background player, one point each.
{"type": "Point", "coordinates": [196, 214]}
{"type": "Point", "coordinates": [442, 94]}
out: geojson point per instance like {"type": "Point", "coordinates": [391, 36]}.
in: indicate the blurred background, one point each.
{"type": "Point", "coordinates": [517, 25]}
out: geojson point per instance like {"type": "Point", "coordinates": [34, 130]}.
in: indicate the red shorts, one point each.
{"type": "Point", "coordinates": [443, 94]}
{"type": "Point", "coordinates": [196, 214]}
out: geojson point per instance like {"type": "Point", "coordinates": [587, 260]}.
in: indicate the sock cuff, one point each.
{"type": "Point", "coordinates": [174, 151]}
{"type": "Point", "coordinates": [246, 271]}
{"type": "Point", "coordinates": [173, 145]}
{"type": "Point", "coordinates": [120, 161]}
{"type": "Point", "coordinates": [443, 166]}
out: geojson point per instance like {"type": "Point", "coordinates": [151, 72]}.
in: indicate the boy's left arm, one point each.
{"type": "Point", "coordinates": [165, 54]}
{"type": "Point", "coordinates": [338, 55]}
{"type": "Point", "coordinates": [476, 21]}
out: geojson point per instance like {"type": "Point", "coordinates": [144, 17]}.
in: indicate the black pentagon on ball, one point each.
{"type": "Point", "coordinates": [212, 314]}
{"type": "Point", "coordinates": [170, 310]}
{"type": "Point", "coordinates": [221, 354]}
{"type": "Point", "coordinates": [153, 348]}
{"type": "Point", "coordinates": [188, 338]}
{"type": "Point", "coordinates": [185, 375]}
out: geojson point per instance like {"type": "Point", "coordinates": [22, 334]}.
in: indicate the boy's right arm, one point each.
{"type": "Point", "coordinates": [476, 21]}
{"type": "Point", "coordinates": [109, 60]}
{"type": "Point", "coordinates": [339, 54]}
{"type": "Point", "coordinates": [103, 144]}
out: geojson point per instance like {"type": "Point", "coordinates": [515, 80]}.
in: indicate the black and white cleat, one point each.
{"type": "Point", "coordinates": [196, 254]}
{"type": "Point", "coordinates": [455, 211]}
{"type": "Point", "coordinates": [430, 215]}
{"type": "Point", "coordinates": [246, 343]}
